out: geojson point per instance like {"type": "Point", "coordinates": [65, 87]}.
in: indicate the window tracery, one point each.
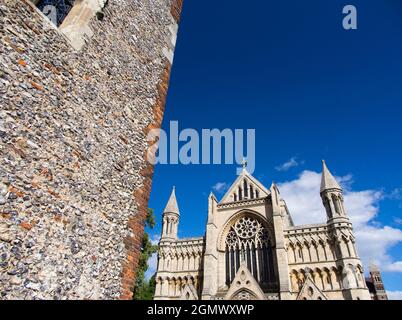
{"type": "Point", "coordinates": [244, 295]}
{"type": "Point", "coordinates": [249, 242]}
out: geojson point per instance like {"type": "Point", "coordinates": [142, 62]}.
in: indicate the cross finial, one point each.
{"type": "Point", "coordinates": [244, 163]}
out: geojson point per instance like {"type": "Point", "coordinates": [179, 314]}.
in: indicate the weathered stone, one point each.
{"type": "Point", "coordinates": [73, 129]}
{"type": "Point", "coordinates": [5, 233]}
{"type": "Point", "coordinates": [15, 281]}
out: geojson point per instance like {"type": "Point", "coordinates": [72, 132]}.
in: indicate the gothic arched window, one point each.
{"type": "Point", "coordinates": [300, 253]}
{"type": "Point", "coordinates": [249, 242]}
{"type": "Point", "coordinates": [245, 189]}
{"type": "Point", "coordinates": [171, 221]}
{"type": "Point", "coordinates": [335, 200]}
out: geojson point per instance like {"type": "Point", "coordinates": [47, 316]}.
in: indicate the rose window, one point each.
{"type": "Point", "coordinates": [246, 227]}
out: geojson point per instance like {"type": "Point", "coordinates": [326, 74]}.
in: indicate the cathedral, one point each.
{"type": "Point", "coordinates": [252, 250]}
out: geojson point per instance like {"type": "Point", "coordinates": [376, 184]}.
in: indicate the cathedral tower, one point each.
{"type": "Point", "coordinates": [342, 240]}
{"type": "Point", "coordinates": [332, 196]}
{"type": "Point", "coordinates": [170, 218]}
{"type": "Point", "coordinates": [376, 283]}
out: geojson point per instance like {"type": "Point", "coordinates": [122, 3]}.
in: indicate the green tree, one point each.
{"type": "Point", "coordinates": [143, 289]}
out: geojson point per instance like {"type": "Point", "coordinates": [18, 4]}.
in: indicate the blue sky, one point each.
{"type": "Point", "coordinates": [312, 91]}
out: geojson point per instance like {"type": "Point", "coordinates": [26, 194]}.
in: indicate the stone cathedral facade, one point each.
{"type": "Point", "coordinates": [253, 251]}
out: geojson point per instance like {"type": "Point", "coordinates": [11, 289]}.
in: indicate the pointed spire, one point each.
{"type": "Point", "coordinates": [172, 206]}
{"type": "Point", "coordinates": [212, 195]}
{"type": "Point", "coordinates": [327, 179]}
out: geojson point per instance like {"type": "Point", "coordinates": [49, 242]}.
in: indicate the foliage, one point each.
{"type": "Point", "coordinates": [143, 289]}
{"type": "Point", "coordinates": [150, 219]}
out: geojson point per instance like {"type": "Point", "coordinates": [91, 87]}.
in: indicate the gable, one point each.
{"type": "Point", "coordinates": [310, 291]}
{"type": "Point", "coordinates": [189, 293]}
{"type": "Point", "coordinates": [245, 187]}
{"type": "Point", "coordinates": [244, 286]}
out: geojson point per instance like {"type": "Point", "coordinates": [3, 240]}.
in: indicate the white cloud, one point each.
{"type": "Point", "coordinates": [395, 266]}
{"type": "Point", "coordinates": [220, 187]}
{"type": "Point", "coordinates": [155, 239]}
{"type": "Point", "coordinates": [153, 260]}
{"type": "Point", "coordinates": [302, 196]}
{"type": "Point", "coordinates": [288, 164]}
{"type": "Point", "coordinates": [398, 220]}
{"type": "Point", "coordinates": [396, 194]}
{"type": "Point", "coordinates": [362, 206]}
{"type": "Point", "coordinates": [394, 295]}
{"type": "Point", "coordinates": [373, 244]}
{"type": "Point", "coordinates": [152, 265]}
{"type": "Point", "coordinates": [345, 182]}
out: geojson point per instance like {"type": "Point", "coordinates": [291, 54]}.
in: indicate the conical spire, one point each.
{"type": "Point", "coordinates": [172, 206]}
{"type": "Point", "coordinates": [327, 179]}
